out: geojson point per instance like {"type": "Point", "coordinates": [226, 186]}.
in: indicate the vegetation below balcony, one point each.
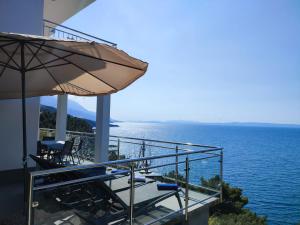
{"type": "Point", "coordinates": [231, 210]}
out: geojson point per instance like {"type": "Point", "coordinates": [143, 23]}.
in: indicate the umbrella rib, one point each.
{"type": "Point", "coordinates": [7, 63]}
{"type": "Point", "coordinates": [93, 57]}
{"type": "Point", "coordinates": [51, 75]}
{"type": "Point", "coordinates": [7, 44]}
{"type": "Point", "coordinates": [43, 66]}
{"type": "Point", "coordinates": [37, 51]}
{"type": "Point", "coordinates": [79, 67]}
{"type": "Point", "coordinates": [11, 57]}
{"type": "Point", "coordinates": [50, 61]}
{"type": "Point", "coordinates": [3, 64]}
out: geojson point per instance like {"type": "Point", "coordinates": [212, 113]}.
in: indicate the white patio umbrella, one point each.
{"type": "Point", "coordinates": [37, 66]}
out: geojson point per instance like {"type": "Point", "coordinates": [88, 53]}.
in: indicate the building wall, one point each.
{"type": "Point", "coordinates": [19, 16]}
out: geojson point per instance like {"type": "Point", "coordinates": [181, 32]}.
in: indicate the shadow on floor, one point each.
{"type": "Point", "coordinates": [12, 198]}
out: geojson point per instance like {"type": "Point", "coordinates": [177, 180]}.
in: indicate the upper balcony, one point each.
{"type": "Point", "coordinates": [59, 31]}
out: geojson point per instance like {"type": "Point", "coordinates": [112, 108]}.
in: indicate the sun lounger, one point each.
{"type": "Point", "coordinates": [117, 191]}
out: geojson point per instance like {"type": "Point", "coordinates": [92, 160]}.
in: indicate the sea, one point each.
{"type": "Point", "coordinates": [264, 161]}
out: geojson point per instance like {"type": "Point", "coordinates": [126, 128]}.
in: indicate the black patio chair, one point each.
{"type": "Point", "coordinates": [64, 155]}
{"type": "Point", "coordinates": [41, 150]}
{"type": "Point", "coordinates": [48, 138]}
{"type": "Point", "coordinates": [77, 151]}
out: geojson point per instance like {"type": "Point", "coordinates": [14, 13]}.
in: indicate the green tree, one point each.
{"type": "Point", "coordinates": [233, 199]}
{"type": "Point", "coordinates": [48, 120]}
{"type": "Point", "coordinates": [245, 218]}
{"type": "Point", "coordinates": [231, 210]}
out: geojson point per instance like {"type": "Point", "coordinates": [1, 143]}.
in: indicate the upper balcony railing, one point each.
{"type": "Point", "coordinates": [59, 31]}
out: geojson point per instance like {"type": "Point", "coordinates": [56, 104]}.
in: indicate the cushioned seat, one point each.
{"type": "Point", "coordinates": [164, 187]}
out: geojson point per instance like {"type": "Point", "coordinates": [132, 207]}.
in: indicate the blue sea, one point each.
{"type": "Point", "coordinates": [263, 161]}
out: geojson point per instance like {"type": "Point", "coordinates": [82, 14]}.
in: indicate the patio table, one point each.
{"type": "Point", "coordinates": [53, 145]}
{"type": "Point", "coordinates": [52, 148]}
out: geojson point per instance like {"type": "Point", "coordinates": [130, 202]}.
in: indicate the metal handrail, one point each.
{"type": "Point", "coordinates": [78, 32]}
{"type": "Point", "coordinates": [65, 32]}
{"type": "Point", "coordinates": [204, 152]}
{"type": "Point", "coordinates": [124, 161]}
{"type": "Point", "coordinates": [140, 139]}
{"type": "Point", "coordinates": [71, 132]}
{"type": "Point", "coordinates": [166, 142]}
{"type": "Point", "coordinates": [157, 146]}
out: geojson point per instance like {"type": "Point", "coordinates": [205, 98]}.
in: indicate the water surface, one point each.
{"type": "Point", "coordinates": [263, 161]}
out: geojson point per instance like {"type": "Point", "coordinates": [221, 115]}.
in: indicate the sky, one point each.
{"type": "Point", "coordinates": [209, 60]}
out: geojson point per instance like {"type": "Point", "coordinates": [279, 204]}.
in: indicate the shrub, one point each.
{"type": "Point", "coordinates": [233, 200]}
{"type": "Point", "coordinates": [246, 217]}
{"type": "Point", "coordinates": [231, 210]}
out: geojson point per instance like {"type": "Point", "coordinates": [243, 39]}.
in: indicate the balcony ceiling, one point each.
{"type": "Point", "coordinates": [60, 10]}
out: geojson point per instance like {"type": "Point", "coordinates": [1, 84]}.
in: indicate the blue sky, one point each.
{"type": "Point", "coordinates": [209, 61]}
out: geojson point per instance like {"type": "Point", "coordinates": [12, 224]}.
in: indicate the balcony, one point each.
{"type": "Point", "coordinates": [125, 190]}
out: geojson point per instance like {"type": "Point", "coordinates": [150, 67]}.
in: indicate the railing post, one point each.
{"type": "Point", "coordinates": [131, 193]}
{"type": "Point", "coordinates": [221, 175]}
{"type": "Point", "coordinates": [30, 193]}
{"type": "Point", "coordinates": [118, 148]}
{"type": "Point", "coordinates": [187, 168]}
{"type": "Point", "coordinates": [176, 166]}
{"type": "Point", "coordinates": [143, 155]}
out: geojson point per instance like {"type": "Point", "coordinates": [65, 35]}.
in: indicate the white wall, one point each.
{"type": "Point", "coordinates": [60, 10]}
{"type": "Point", "coordinates": [19, 16]}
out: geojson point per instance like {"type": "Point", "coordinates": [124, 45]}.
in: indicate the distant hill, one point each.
{"type": "Point", "coordinates": [239, 124]}
{"type": "Point", "coordinates": [74, 109]}
{"type": "Point", "coordinates": [48, 118]}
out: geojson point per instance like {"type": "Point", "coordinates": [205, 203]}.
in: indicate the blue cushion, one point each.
{"type": "Point", "coordinates": [167, 187]}
{"type": "Point", "coordinates": [120, 171]}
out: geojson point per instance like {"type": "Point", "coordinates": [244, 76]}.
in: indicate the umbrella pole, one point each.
{"type": "Point", "coordinates": [24, 121]}
{"type": "Point", "coordinates": [23, 72]}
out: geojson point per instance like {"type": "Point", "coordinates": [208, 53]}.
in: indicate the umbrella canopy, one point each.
{"type": "Point", "coordinates": [63, 67]}
{"type": "Point", "coordinates": [37, 66]}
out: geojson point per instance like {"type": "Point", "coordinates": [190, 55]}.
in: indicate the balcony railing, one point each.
{"type": "Point", "coordinates": [59, 31]}
{"type": "Point", "coordinates": [170, 162]}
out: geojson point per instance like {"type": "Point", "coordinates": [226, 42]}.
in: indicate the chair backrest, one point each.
{"type": "Point", "coordinates": [47, 138]}
{"type": "Point", "coordinates": [68, 146]}
{"type": "Point", "coordinates": [39, 148]}
{"type": "Point", "coordinates": [76, 140]}
{"type": "Point", "coordinates": [79, 147]}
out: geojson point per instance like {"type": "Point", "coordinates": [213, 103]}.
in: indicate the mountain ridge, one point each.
{"type": "Point", "coordinates": [74, 108]}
